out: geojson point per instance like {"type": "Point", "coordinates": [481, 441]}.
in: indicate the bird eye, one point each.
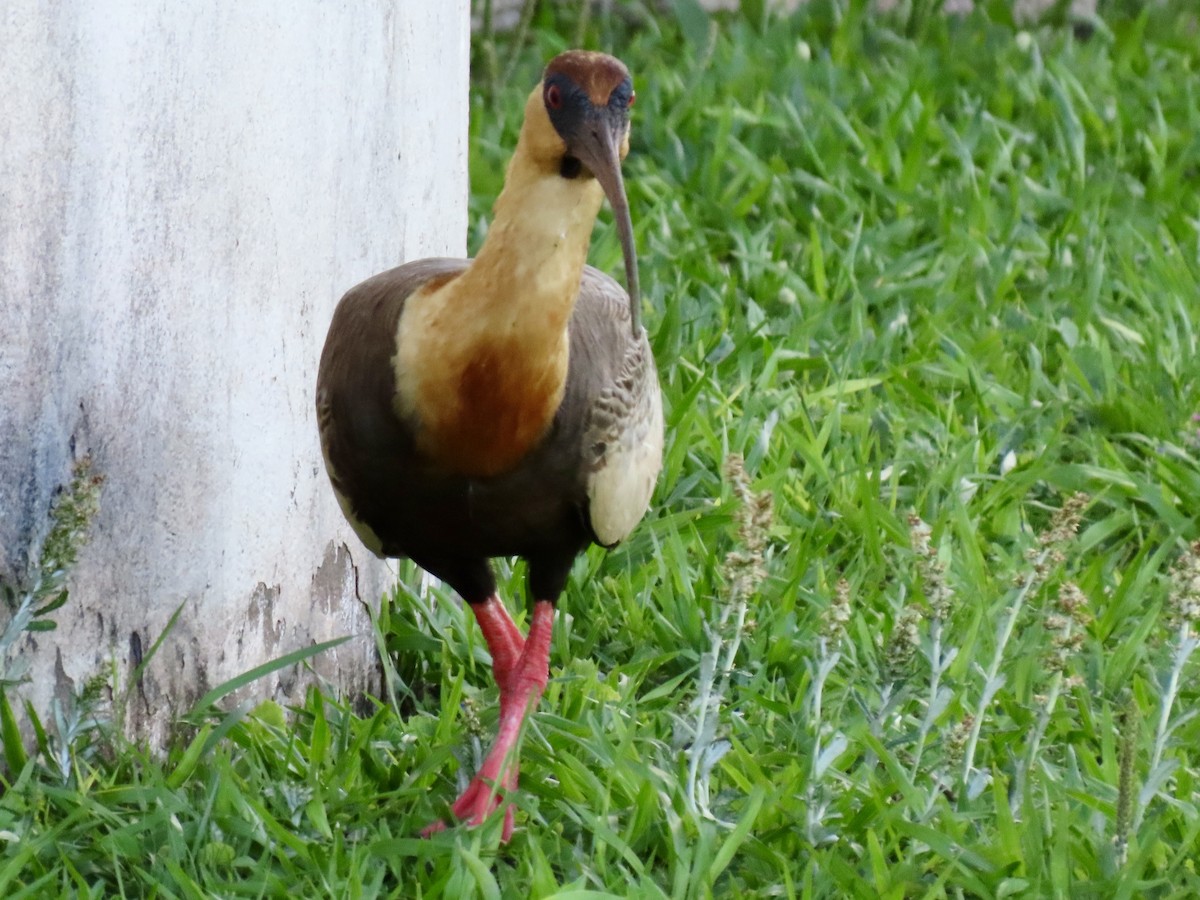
{"type": "Point", "coordinates": [622, 96]}
{"type": "Point", "coordinates": [632, 98]}
{"type": "Point", "coordinates": [553, 97]}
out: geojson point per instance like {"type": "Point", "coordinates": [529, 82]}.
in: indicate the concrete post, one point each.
{"type": "Point", "coordinates": [185, 191]}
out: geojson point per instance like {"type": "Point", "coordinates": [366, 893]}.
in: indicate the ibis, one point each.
{"type": "Point", "coordinates": [506, 405]}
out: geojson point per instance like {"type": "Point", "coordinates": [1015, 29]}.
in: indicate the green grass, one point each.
{"type": "Point", "coordinates": [931, 278]}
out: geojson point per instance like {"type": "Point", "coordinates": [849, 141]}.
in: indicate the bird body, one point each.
{"type": "Point", "coordinates": [403, 500]}
{"type": "Point", "coordinates": [506, 405]}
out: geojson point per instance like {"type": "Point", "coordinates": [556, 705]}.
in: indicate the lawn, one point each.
{"type": "Point", "coordinates": [915, 609]}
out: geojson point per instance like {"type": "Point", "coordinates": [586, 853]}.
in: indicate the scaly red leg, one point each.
{"type": "Point", "coordinates": [521, 672]}
{"type": "Point", "coordinates": [504, 641]}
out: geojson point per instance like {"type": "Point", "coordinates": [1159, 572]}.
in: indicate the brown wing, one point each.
{"type": "Point", "coordinates": [361, 436]}
{"type": "Point", "coordinates": [621, 452]}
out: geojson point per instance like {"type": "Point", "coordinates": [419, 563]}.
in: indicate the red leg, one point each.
{"type": "Point", "coordinates": [503, 639]}
{"type": "Point", "coordinates": [521, 682]}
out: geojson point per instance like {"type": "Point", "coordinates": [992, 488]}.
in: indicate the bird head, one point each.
{"type": "Point", "coordinates": [587, 97]}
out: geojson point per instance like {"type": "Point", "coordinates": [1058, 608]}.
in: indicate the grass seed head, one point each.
{"type": "Point", "coordinates": [1183, 596]}
{"type": "Point", "coordinates": [70, 517]}
{"type": "Point", "coordinates": [1066, 623]}
{"type": "Point", "coordinates": [931, 569]}
{"type": "Point", "coordinates": [470, 717]}
{"type": "Point", "coordinates": [903, 641]}
{"type": "Point", "coordinates": [1050, 551]}
{"type": "Point", "coordinates": [1128, 724]}
{"type": "Point", "coordinates": [744, 569]}
{"type": "Point", "coordinates": [956, 741]}
{"type": "Point", "coordinates": [1065, 523]}
{"type": "Point", "coordinates": [837, 613]}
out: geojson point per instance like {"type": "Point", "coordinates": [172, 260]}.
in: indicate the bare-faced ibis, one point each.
{"type": "Point", "coordinates": [506, 405]}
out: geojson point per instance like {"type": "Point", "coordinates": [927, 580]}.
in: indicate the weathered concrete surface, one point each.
{"type": "Point", "coordinates": [185, 191]}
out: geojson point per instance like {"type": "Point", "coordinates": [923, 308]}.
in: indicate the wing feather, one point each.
{"type": "Point", "coordinates": [623, 429]}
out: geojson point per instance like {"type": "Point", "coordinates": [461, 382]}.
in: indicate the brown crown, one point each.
{"type": "Point", "coordinates": [597, 73]}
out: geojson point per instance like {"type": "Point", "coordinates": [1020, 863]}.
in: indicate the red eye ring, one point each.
{"type": "Point", "coordinates": [553, 97]}
{"type": "Point", "coordinates": [632, 98]}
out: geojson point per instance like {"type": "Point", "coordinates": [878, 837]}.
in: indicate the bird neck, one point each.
{"type": "Point", "coordinates": [531, 262]}
{"type": "Point", "coordinates": [482, 360]}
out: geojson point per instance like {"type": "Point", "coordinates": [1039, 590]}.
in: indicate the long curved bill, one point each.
{"type": "Point", "coordinates": [600, 151]}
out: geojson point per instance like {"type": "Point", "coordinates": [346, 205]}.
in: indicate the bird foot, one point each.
{"type": "Point", "coordinates": [478, 803]}
{"type": "Point", "coordinates": [521, 683]}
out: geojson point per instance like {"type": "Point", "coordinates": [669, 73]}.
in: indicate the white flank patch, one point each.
{"type": "Point", "coordinates": [620, 490]}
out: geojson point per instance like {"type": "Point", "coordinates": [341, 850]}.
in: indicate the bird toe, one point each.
{"type": "Point", "coordinates": [477, 804]}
